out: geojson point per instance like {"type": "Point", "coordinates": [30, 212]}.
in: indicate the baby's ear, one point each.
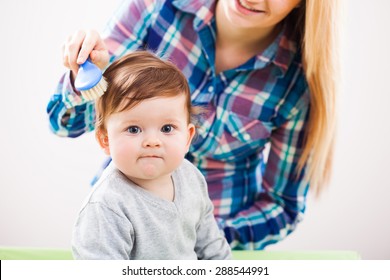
{"type": "Point", "coordinates": [102, 138]}
{"type": "Point", "coordinates": [191, 133]}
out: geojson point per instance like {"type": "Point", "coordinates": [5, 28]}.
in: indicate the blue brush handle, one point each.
{"type": "Point", "coordinates": [89, 75]}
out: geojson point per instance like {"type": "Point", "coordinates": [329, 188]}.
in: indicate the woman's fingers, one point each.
{"type": "Point", "coordinates": [72, 49]}
{"type": "Point", "coordinates": [89, 43]}
{"type": "Point", "coordinates": [81, 45]}
{"type": "Point", "coordinates": [99, 55]}
{"type": "Point", "coordinates": [100, 58]}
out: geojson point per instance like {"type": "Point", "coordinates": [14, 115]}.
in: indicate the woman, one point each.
{"type": "Point", "coordinates": [265, 71]}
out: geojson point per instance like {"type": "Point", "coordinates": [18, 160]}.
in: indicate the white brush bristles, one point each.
{"type": "Point", "coordinates": [96, 91]}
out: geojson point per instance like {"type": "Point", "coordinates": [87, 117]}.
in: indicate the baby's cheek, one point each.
{"type": "Point", "coordinates": [122, 150]}
{"type": "Point", "coordinates": [177, 154]}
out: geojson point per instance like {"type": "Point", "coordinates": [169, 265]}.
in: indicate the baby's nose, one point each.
{"type": "Point", "coordinates": [152, 141]}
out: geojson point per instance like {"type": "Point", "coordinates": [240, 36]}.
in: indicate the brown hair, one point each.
{"type": "Point", "coordinates": [136, 77]}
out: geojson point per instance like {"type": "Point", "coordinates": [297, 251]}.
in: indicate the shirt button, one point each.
{"type": "Point", "coordinates": [246, 136]}
{"type": "Point", "coordinates": [211, 89]}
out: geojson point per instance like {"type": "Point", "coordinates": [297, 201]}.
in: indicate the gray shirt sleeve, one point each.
{"type": "Point", "coordinates": [101, 234]}
{"type": "Point", "coordinates": [210, 244]}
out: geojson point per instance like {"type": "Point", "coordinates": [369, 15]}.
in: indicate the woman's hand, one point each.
{"type": "Point", "coordinates": [81, 45]}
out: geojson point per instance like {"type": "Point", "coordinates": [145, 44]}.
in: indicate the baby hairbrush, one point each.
{"type": "Point", "coordinates": [90, 81]}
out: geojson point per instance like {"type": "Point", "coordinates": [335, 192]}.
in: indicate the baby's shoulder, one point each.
{"type": "Point", "coordinates": [190, 171]}
{"type": "Point", "coordinates": [111, 189]}
{"type": "Point", "coordinates": [189, 175]}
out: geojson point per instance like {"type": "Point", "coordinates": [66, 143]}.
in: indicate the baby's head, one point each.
{"type": "Point", "coordinates": [143, 120]}
{"type": "Point", "coordinates": [136, 77]}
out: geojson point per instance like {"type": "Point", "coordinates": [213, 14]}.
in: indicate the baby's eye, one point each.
{"type": "Point", "coordinates": [167, 128]}
{"type": "Point", "coordinates": [133, 129]}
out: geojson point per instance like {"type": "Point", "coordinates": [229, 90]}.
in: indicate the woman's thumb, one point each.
{"type": "Point", "coordinates": [99, 58]}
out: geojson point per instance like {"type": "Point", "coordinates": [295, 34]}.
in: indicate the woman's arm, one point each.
{"type": "Point", "coordinates": [69, 114]}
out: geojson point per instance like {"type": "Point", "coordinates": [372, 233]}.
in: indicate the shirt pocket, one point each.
{"type": "Point", "coordinates": [245, 136]}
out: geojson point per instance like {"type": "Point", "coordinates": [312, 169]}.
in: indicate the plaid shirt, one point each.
{"type": "Point", "coordinates": [258, 195]}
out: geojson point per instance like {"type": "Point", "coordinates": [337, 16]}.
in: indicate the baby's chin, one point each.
{"type": "Point", "coordinates": [150, 167]}
{"type": "Point", "coordinates": [146, 171]}
{"type": "Point", "coordinates": [150, 172]}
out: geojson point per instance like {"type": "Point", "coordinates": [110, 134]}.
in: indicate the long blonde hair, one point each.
{"type": "Point", "coordinates": [319, 38]}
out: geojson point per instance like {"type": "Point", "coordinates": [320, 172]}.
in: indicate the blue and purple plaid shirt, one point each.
{"type": "Point", "coordinates": [258, 196]}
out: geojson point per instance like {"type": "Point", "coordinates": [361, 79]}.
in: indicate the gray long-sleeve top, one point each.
{"type": "Point", "coordinates": [120, 220]}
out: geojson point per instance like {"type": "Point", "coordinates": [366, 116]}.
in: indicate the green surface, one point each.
{"type": "Point", "coordinates": [296, 255]}
{"type": "Point", "coordinates": [21, 253]}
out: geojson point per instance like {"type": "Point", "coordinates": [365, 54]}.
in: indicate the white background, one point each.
{"type": "Point", "coordinates": [44, 178]}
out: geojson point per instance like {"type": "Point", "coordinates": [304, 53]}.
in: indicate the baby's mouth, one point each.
{"type": "Point", "coordinates": [150, 156]}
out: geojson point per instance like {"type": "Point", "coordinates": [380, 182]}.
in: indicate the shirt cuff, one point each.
{"type": "Point", "coordinates": [71, 97]}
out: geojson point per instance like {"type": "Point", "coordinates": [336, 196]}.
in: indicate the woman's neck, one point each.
{"type": "Point", "coordinates": [239, 44]}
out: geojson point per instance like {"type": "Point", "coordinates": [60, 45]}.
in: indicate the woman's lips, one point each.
{"type": "Point", "coordinates": [246, 9]}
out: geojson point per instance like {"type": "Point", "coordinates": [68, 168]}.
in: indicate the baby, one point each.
{"type": "Point", "coordinates": [150, 202]}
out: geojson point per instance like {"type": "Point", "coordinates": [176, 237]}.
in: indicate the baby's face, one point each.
{"type": "Point", "coordinates": [150, 140]}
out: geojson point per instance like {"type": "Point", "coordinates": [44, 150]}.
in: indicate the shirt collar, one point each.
{"type": "Point", "coordinates": [202, 9]}
{"type": "Point", "coordinates": [281, 52]}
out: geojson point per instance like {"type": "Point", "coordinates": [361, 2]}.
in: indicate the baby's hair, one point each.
{"type": "Point", "coordinates": [136, 77]}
